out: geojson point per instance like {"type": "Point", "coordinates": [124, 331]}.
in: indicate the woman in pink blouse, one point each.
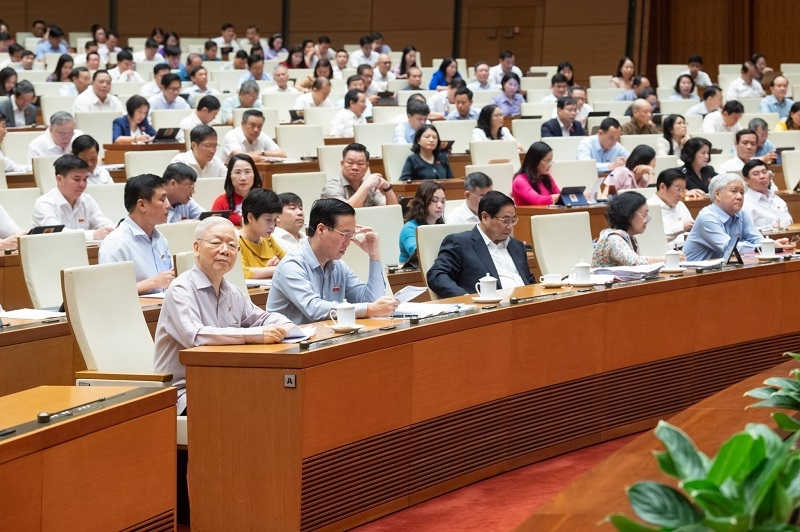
{"type": "Point", "coordinates": [533, 184]}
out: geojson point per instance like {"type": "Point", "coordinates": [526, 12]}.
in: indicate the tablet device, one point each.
{"type": "Point", "coordinates": [598, 113]}
{"type": "Point", "coordinates": [571, 196]}
{"type": "Point", "coordinates": [295, 115]}
{"type": "Point", "coordinates": [781, 150]}
{"type": "Point", "coordinates": [731, 254]}
{"type": "Point", "coordinates": [166, 134]}
{"type": "Point", "coordinates": [446, 145]}
{"type": "Point", "coordinates": [206, 214]}
{"type": "Point", "coordinates": [46, 229]}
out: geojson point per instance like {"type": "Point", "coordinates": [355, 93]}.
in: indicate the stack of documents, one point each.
{"type": "Point", "coordinates": [701, 263]}
{"type": "Point", "coordinates": [631, 273]}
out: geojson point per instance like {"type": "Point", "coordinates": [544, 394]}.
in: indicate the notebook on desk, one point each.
{"type": "Point", "coordinates": [572, 196]}
{"type": "Point", "coordinates": [46, 229]}
{"type": "Point", "coordinates": [166, 135]}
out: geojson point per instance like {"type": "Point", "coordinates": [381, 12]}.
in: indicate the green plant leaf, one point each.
{"type": "Point", "coordinates": [791, 471]}
{"type": "Point", "coordinates": [689, 462]}
{"type": "Point", "coordinates": [781, 382]}
{"type": "Point", "coordinates": [772, 442]}
{"type": "Point", "coordinates": [730, 458]}
{"type": "Point", "coordinates": [736, 523]}
{"type": "Point", "coordinates": [766, 477]}
{"type": "Point", "coordinates": [662, 505]}
{"type": "Point", "coordinates": [664, 461]}
{"type": "Point", "coordinates": [795, 356]}
{"type": "Point", "coordinates": [763, 392]}
{"type": "Point", "coordinates": [781, 505]}
{"type": "Point", "coordinates": [716, 504]}
{"type": "Point", "coordinates": [778, 400]}
{"type": "Point", "coordinates": [693, 528]}
{"type": "Point", "coordinates": [626, 524]}
{"type": "Point", "coordinates": [774, 527]}
{"type": "Point", "coordinates": [785, 422]}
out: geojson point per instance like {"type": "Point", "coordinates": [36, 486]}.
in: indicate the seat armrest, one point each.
{"type": "Point", "coordinates": [97, 375]}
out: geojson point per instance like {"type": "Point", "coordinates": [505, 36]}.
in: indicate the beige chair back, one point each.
{"type": "Point", "coordinates": [429, 240]}
{"type": "Point", "coordinates": [179, 235]}
{"type": "Point", "coordinates": [43, 257]}
{"type": "Point", "coordinates": [560, 241]}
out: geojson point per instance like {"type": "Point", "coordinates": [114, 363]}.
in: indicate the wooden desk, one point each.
{"type": "Point", "coordinates": [28, 181]}
{"type": "Point", "coordinates": [115, 153]}
{"type": "Point", "coordinates": [383, 420]}
{"type": "Point", "coordinates": [106, 469]}
{"type": "Point", "coordinates": [709, 423]}
{"type": "Point", "coordinates": [453, 188]}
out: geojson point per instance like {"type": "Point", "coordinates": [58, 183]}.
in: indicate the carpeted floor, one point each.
{"type": "Point", "coordinates": [497, 504]}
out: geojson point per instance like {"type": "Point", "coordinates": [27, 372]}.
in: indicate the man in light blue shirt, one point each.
{"type": "Point", "coordinates": [723, 220]}
{"type": "Point", "coordinates": [53, 45]}
{"type": "Point", "coordinates": [604, 148]}
{"type": "Point", "coordinates": [248, 98]}
{"type": "Point", "coordinates": [255, 67]}
{"type": "Point", "coordinates": [312, 280]}
{"type": "Point", "coordinates": [169, 97]}
{"type": "Point", "coordinates": [463, 110]}
{"type": "Point", "coordinates": [777, 102]}
{"type": "Point", "coordinates": [136, 237]}
{"type": "Point", "coordinates": [481, 82]}
{"type": "Point", "coordinates": [179, 180]}
{"type": "Point", "coordinates": [417, 113]}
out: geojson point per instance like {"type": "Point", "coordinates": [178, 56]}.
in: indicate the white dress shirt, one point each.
{"type": "Point", "coordinates": [151, 88]}
{"type": "Point", "coordinates": [767, 211]}
{"type": "Point", "coordinates": [462, 215]}
{"type": "Point", "coordinates": [478, 135]}
{"type": "Point", "coordinates": [159, 102]}
{"type": "Point", "coordinates": [358, 58]}
{"type": "Point", "coordinates": [288, 242]}
{"type": "Point", "coordinates": [344, 123]}
{"type": "Point", "coordinates": [496, 73]}
{"type": "Point", "coordinates": [713, 123]}
{"type": "Point", "coordinates": [118, 76]}
{"type": "Point", "coordinates": [213, 168]}
{"type": "Point", "coordinates": [89, 101]}
{"type": "Point", "coordinates": [672, 217]}
{"type": "Point", "coordinates": [306, 100]}
{"type": "Point", "coordinates": [100, 176]}
{"type": "Point", "coordinates": [739, 89]}
{"type": "Point", "coordinates": [506, 269]}
{"type": "Point", "coordinates": [53, 209]}
{"type": "Point", "coordinates": [45, 146]}
{"type": "Point", "coordinates": [235, 140]}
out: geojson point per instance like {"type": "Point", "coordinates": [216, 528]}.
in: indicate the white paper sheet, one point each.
{"type": "Point", "coordinates": [298, 334]}
{"type": "Point", "coordinates": [31, 314]}
{"type": "Point", "coordinates": [258, 282]}
{"type": "Point", "coordinates": [407, 293]}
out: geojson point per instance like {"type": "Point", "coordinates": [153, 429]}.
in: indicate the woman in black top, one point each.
{"type": "Point", "coordinates": [695, 156]}
{"type": "Point", "coordinates": [426, 161]}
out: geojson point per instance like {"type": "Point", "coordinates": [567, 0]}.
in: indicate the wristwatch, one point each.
{"type": "Point", "coordinates": [388, 188]}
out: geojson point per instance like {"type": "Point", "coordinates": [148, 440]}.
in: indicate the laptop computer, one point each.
{"type": "Point", "coordinates": [166, 135]}
{"type": "Point", "coordinates": [296, 115]}
{"type": "Point", "coordinates": [46, 229]}
{"type": "Point", "coordinates": [206, 214]}
{"type": "Point", "coordinates": [572, 196]}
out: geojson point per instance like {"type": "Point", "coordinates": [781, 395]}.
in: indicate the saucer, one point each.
{"type": "Point", "coordinates": [478, 299]}
{"type": "Point", "coordinates": [580, 285]}
{"type": "Point", "coordinates": [769, 258]}
{"type": "Point", "coordinates": [673, 270]}
{"type": "Point", "coordinates": [552, 285]}
{"type": "Point", "coordinates": [345, 328]}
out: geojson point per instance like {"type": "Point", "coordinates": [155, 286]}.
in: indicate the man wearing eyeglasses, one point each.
{"type": "Point", "coordinates": [489, 247]}
{"type": "Point", "coordinates": [202, 157]}
{"type": "Point", "coordinates": [311, 281]}
{"type": "Point", "coordinates": [168, 97]}
{"type": "Point", "coordinates": [670, 187]}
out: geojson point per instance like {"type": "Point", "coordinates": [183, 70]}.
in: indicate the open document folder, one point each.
{"type": "Point", "coordinates": [298, 334]}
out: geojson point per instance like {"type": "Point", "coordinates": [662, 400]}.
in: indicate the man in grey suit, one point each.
{"type": "Point", "coordinates": [18, 108]}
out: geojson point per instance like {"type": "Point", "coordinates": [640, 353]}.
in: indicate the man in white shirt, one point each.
{"type": "Point", "coordinates": [68, 205]}
{"type": "Point", "coordinates": [357, 82]}
{"type": "Point", "coordinates": [318, 97]}
{"type": "Point", "coordinates": [249, 139]}
{"type": "Point", "coordinates": [290, 231]}
{"type": "Point", "coordinates": [746, 85]}
{"type": "Point", "coordinates": [153, 87]}
{"type": "Point", "coordinates": [370, 89]}
{"type": "Point", "coordinates": [199, 88]}
{"type": "Point", "coordinates": [7, 164]}
{"type": "Point", "coordinates": [57, 140]}
{"type": "Point", "coordinates": [725, 120]}
{"type": "Point", "coordinates": [323, 49]}
{"type": "Point", "coordinates": [201, 158]}
{"type": "Point", "coordinates": [765, 208]}
{"type": "Point", "coordinates": [384, 75]}
{"type": "Point", "coordinates": [476, 186]}
{"type": "Point", "coordinates": [439, 104]}
{"type": "Point", "coordinates": [354, 186]}
{"type": "Point", "coordinates": [253, 36]}
{"type": "Point", "coordinates": [80, 78]}
{"type": "Point", "coordinates": [280, 75]}
{"type": "Point", "coordinates": [414, 79]}
{"type": "Point", "coordinates": [579, 94]}
{"type": "Point", "coordinates": [98, 97]}
{"type": "Point", "coordinates": [179, 180]}
{"type": "Point", "coordinates": [700, 78]}
{"type": "Point", "coordinates": [746, 145]}
{"type": "Point", "coordinates": [365, 55]}
{"type": "Point", "coordinates": [343, 124]}
{"type": "Point", "coordinates": [481, 82]}
{"type": "Point", "coordinates": [559, 88]}
{"type": "Point", "coordinates": [169, 98]}
{"type": "Point", "coordinates": [504, 66]}
{"type": "Point", "coordinates": [247, 98]}
{"type": "Point", "coordinates": [150, 53]}
{"type": "Point", "coordinates": [712, 101]}
{"type": "Point", "coordinates": [227, 39]}
{"type": "Point", "coordinates": [124, 71]}
{"type": "Point", "coordinates": [204, 115]}
{"type": "Point", "coordinates": [255, 70]}
{"type": "Point", "coordinates": [671, 185]}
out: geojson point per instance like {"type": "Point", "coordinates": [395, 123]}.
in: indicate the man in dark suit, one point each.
{"type": "Point", "coordinates": [20, 105]}
{"type": "Point", "coordinates": [466, 257]}
{"type": "Point", "coordinates": [564, 125]}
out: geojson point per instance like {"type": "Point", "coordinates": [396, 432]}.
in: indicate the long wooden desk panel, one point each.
{"type": "Point", "coordinates": [709, 423]}
{"type": "Point", "coordinates": [379, 421]}
{"type": "Point", "coordinates": [111, 468]}
{"type": "Point", "coordinates": [115, 153]}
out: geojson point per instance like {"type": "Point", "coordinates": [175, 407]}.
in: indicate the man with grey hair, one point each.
{"type": "Point", "coordinates": [476, 186]}
{"type": "Point", "coordinates": [723, 220]}
{"type": "Point", "coordinates": [190, 315]}
{"type": "Point", "coordinates": [640, 123]}
{"type": "Point", "coordinates": [765, 149]}
{"type": "Point", "coordinates": [247, 99]}
{"type": "Point", "coordinates": [98, 97]}
{"type": "Point", "coordinates": [280, 75]}
{"type": "Point", "coordinates": [57, 140]}
{"type": "Point", "coordinates": [18, 108]}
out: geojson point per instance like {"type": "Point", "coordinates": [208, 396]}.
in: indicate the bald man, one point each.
{"type": "Point", "coordinates": [640, 123]}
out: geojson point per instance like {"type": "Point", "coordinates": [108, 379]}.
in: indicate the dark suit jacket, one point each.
{"type": "Point", "coordinates": [552, 128]}
{"type": "Point", "coordinates": [7, 108]}
{"type": "Point", "coordinates": [464, 258]}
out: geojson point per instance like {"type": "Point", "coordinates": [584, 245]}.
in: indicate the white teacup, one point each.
{"type": "Point", "coordinates": [583, 272]}
{"type": "Point", "coordinates": [550, 278]}
{"type": "Point", "coordinates": [672, 260]}
{"type": "Point", "coordinates": [486, 286]}
{"type": "Point", "coordinates": [344, 315]}
{"type": "Point", "coordinates": [767, 247]}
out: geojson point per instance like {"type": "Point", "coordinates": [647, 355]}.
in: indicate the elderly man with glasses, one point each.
{"type": "Point", "coordinates": [489, 247]}
{"type": "Point", "coordinates": [311, 281]}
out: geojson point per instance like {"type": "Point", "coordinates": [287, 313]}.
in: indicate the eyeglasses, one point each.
{"type": "Point", "coordinates": [218, 245]}
{"type": "Point", "coordinates": [679, 190]}
{"type": "Point", "coordinates": [646, 217]}
{"type": "Point", "coordinates": [348, 235]}
{"type": "Point", "coordinates": [508, 220]}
